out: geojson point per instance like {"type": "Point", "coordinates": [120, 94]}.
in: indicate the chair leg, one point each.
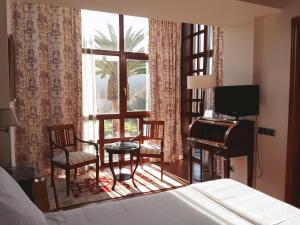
{"type": "Point", "coordinates": [97, 171]}
{"type": "Point", "coordinates": [75, 173]}
{"type": "Point", "coordinates": [52, 174]}
{"type": "Point", "coordinates": [131, 163]}
{"type": "Point", "coordinates": [68, 181]}
{"type": "Point", "coordinates": [162, 166]}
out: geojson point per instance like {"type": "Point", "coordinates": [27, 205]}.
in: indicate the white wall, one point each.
{"type": "Point", "coordinates": [238, 54]}
{"type": "Point", "coordinates": [215, 12]}
{"type": "Point", "coordinates": [5, 143]}
{"type": "Point", "coordinates": [272, 51]}
{"type": "Point", "coordinates": [238, 70]}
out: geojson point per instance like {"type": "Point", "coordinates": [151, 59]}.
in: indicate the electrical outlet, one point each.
{"type": "Point", "coordinates": [267, 131]}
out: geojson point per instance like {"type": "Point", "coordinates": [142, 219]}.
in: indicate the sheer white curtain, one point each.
{"type": "Point", "coordinates": [90, 126]}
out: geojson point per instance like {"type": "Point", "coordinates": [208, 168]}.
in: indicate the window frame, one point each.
{"type": "Point", "coordinates": [192, 106]}
{"type": "Point", "coordinates": [123, 57]}
{"type": "Point", "coordinates": [195, 99]}
{"type": "Point", "coordinates": [123, 83]}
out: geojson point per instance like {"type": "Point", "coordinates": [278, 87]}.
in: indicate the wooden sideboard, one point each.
{"type": "Point", "coordinates": [224, 138]}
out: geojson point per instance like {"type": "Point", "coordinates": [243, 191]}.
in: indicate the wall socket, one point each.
{"type": "Point", "coordinates": [267, 131]}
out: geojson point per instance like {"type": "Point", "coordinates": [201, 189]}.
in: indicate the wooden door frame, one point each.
{"type": "Point", "coordinates": [292, 185]}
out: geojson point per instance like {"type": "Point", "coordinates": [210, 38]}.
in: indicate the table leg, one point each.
{"type": "Point", "coordinates": [250, 170]}
{"type": "Point", "coordinates": [120, 164]}
{"type": "Point", "coordinates": [111, 165]}
{"type": "Point", "coordinates": [201, 165]}
{"type": "Point", "coordinates": [226, 167]}
{"type": "Point", "coordinates": [211, 159]}
{"type": "Point", "coordinates": [191, 164]}
{"type": "Point", "coordinates": [136, 166]}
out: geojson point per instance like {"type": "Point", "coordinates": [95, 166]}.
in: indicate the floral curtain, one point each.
{"type": "Point", "coordinates": [48, 76]}
{"type": "Point", "coordinates": [218, 55]}
{"type": "Point", "coordinates": [218, 42]}
{"type": "Point", "coordinates": [164, 59]}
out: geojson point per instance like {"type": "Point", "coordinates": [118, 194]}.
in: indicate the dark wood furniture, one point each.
{"type": "Point", "coordinates": [151, 139]}
{"type": "Point", "coordinates": [25, 177]}
{"type": "Point", "coordinates": [194, 60]}
{"type": "Point", "coordinates": [63, 138]}
{"type": "Point", "coordinates": [123, 113]}
{"type": "Point", "coordinates": [224, 138]}
{"type": "Point", "coordinates": [292, 180]}
{"type": "Point", "coordinates": [40, 194]}
{"type": "Point", "coordinates": [122, 148]}
{"type": "Point", "coordinates": [103, 140]}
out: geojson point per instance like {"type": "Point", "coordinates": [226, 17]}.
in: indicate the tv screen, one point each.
{"type": "Point", "coordinates": [237, 101]}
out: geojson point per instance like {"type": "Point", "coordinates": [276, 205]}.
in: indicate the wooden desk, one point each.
{"type": "Point", "coordinates": [224, 138]}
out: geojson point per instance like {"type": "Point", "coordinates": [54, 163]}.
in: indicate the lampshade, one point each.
{"type": "Point", "coordinates": [203, 81]}
{"type": "Point", "coordinates": [7, 118]}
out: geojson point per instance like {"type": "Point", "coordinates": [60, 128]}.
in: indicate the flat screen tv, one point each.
{"type": "Point", "coordinates": [237, 101]}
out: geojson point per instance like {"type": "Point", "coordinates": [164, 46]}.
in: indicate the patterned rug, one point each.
{"type": "Point", "coordinates": [84, 189]}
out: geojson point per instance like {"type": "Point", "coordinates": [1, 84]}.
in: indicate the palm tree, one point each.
{"type": "Point", "coordinates": [110, 68]}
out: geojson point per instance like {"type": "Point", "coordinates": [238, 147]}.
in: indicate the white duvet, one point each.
{"type": "Point", "coordinates": [215, 202]}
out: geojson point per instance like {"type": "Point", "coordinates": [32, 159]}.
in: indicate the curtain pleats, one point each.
{"type": "Point", "coordinates": [48, 76]}
{"type": "Point", "coordinates": [164, 59]}
{"type": "Point", "coordinates": [218, 56]}
{"type": "Point", "coordinates": [218, 42]}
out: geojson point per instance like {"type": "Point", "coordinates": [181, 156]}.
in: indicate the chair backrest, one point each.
{"type": "Point", "coordinates": [62, 136]}
{"type": "Point", "coordinates": [152, 129]}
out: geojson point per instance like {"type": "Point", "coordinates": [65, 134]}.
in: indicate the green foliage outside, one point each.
{"type": "Point", "coordinates": [110, 68]}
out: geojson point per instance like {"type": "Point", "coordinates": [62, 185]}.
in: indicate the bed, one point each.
{"type": "Point", "coordinates": [221, 201]}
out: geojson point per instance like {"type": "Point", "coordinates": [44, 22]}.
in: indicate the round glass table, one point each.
{"type": "Point", "coordinates": [122, 148]}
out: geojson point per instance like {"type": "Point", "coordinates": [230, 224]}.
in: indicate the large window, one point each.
{"type": "Point", "coordinates": [115, 62]}
{"type": "Point", "coordinates": [197, 54]}
{"type": "Point", "coordinates": [198, 39]}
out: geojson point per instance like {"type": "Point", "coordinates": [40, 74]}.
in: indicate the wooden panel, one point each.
{"type": "Point", "coordinates": [292, 187]}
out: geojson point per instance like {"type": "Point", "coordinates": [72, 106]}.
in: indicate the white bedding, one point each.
{"type": "Point", "coordinates": [177, 207]}
{"type": "Point", "coordinates": [214, 202]}
{"type": "Point", "coordinates": [248, 203]}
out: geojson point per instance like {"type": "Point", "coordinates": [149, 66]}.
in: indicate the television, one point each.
{"type": "Point", "coordinates": [237, 101]}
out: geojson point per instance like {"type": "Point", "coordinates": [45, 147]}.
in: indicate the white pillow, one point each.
{"type": "Point", "coordinates": [15, 207]}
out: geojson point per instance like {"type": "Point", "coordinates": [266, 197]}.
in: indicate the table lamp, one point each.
{"type": "Point", "coordinates": [201, 81]}
{"type": "Point", "coordinates": [7, 119]}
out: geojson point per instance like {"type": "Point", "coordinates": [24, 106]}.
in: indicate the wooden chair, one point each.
{"type": "Point", "coordinates": [151, 140]}
{"type": "Point", "coordinates": [63, 137]}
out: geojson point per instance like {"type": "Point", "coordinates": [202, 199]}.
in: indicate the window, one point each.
{"type": "Point", "coordinates": [197, 53]}
{"type": "Point", "coordinates": [115, 64]}
{"type": "Point", "coordinates": [199, 40]}
{"type": "Point", "coordinates": [202, 53]}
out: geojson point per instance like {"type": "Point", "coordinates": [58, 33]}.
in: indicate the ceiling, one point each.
{"type": "Point", "coordinates": [213, 12]}
{"type": "Point", "coordinates": [272, 3]}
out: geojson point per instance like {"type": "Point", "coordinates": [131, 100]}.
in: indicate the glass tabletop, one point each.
{"type": "Point", "coordinates": [122, 147]}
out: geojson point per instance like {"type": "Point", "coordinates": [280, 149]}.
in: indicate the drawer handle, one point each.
{"type": "Point", "coordinates": [218, 151]}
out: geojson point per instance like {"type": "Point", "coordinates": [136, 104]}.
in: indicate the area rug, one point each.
{"type": "Point", "coordinates": [84, 189]}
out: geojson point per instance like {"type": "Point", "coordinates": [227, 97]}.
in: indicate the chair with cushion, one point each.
{"type": "Point", "coordinates": [151, 139]}
{"type": "Point", "coordinates": [63, 138]}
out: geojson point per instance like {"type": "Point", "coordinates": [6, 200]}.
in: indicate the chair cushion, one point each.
{"type": "Point", "coordinates": [74, 158]}
{"type": "Point", "coordinates": [150, 148]}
